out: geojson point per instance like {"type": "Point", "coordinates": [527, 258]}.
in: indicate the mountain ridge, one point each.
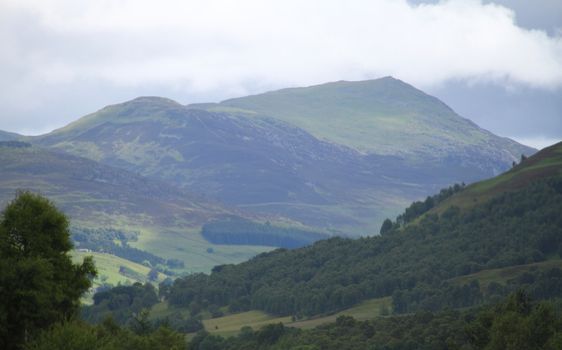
{"type": "Point", "coordinates": [262, 162]}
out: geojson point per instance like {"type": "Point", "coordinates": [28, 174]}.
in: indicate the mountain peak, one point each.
{"type": "Point", "coordinates": [154, 100]}
{"type": "Point", "coordinates": [385, 79]}
{"type": "Point", "coordinates": [382, 116]}
{"type": "Point", "coordinates": [136, 109]}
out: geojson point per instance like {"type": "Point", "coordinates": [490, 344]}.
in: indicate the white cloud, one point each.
{"type": "Point", "coordinates": [210, 43]}
{"type": "Point", "coordinates": [225, 45]}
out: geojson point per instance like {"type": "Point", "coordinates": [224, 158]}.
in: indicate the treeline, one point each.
{"type": "Point", "coordinates": [104, 240]}
{"type": "Point", "coordinates": [514, 228]}
{"type": "Point", "coordinates": [515, 323]}
{"type": "Point", "coordinates": [120, 303]}
{"type": "Point", "coordinates": [240, 231]}
{"type": "Point", "coordinates": [418, 208]}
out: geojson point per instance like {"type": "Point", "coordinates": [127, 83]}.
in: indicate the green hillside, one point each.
{"type": "Point", "coordinates": [546, 163]}
{"type": "Point", "coordinates": [382, 116]}
{"type": "Point", "coordinates": [426, 262]}
{"type": "Point", "coordinates": [445, 260]}
{"type": "Point", "coordinates": [113, 270]}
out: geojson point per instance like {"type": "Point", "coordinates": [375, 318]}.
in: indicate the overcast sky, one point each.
{"type": "Point", "coordinates": [498, 63]}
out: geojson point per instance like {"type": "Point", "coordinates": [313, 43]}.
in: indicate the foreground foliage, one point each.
{"type": "Point", "coordinates": [107, 336]}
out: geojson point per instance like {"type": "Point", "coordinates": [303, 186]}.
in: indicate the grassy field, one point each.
{"type": "Point", "coordinates": [230, 325]}
{"type": "Point", "coordinates": [108, 268]}
{"type": "Point", "coordinates": [189, 246]}
{"type": "Point", "coordinates": [502, 275]}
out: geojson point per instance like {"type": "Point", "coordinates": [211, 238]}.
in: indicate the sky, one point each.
{"type": "Point", "coordinates": [498, 63]}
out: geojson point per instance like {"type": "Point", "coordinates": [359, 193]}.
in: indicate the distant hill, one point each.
{"type": "Point", "coordinates": [89, 191]}
{"type": "Point", "coordinates": [166, 220]}
{"type": "Point", "coordinates": [340, 156]}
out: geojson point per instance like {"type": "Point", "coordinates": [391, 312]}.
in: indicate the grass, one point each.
{"type": "Point", "coordinates": [108, 271]}
{"type": "Point", "coordinates": [366, 310]}
{"type": "Point", "coordinates": [108, 268]}
{"type": "Point", "coordinates": [191, 248]}
{"type": "Point", "coordinates": [230, 325]}
{"type": "Point", "coordinates": [505, 274]}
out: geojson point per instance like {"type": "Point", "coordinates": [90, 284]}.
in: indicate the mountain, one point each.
{"type": "Point", "coordinates": [455, 258]}
{"type": "Point", "coordinates": [384, 116]}
{"type": "Point", "coordinates": [258, 164]}
{"type": "Point", "coordinates": [340, 156]}
{"type": "Point", "coordinates": [112, 203]}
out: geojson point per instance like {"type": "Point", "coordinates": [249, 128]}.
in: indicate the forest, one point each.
{"type": "Point", "coordinates": [239, 231]}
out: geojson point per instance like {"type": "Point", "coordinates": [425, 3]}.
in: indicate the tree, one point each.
{"type": "Point", "coordinates": [39, 283]}
{"type": "Point", "coordinates": [386, 226]}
